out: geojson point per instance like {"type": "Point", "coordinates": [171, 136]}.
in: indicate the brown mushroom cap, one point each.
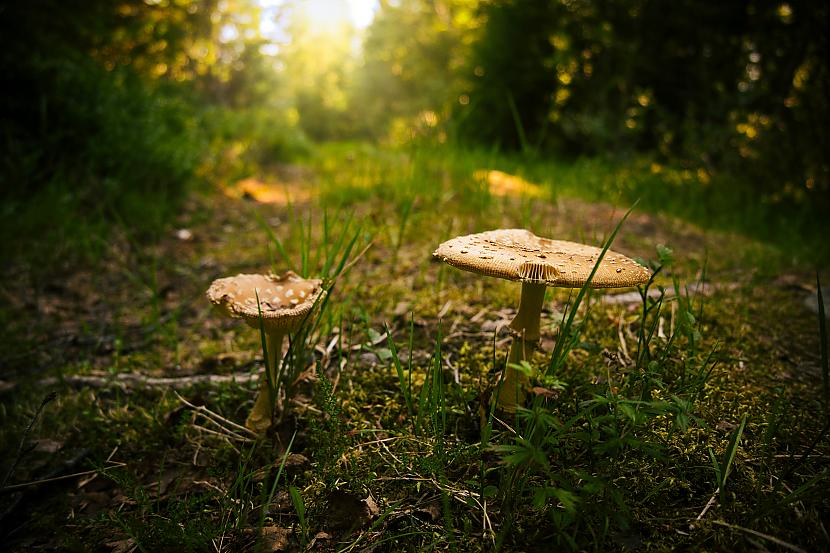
{"type": "Point", "coordinates": [518, 254]}
{"type": "Point", "coordinates": [284, 300]}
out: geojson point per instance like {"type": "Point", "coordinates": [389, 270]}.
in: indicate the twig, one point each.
{"type": "Point", "coordinates": [444, 310]}
{"type": "Point", "coordinates": [126, 380]}
{"type": "Point", "coordinates": [773, 539]}
{"type": "Point", "coordinates": [64, 477]}
{"type": "Point", "coordinates": [784, 456]}
{"type": "Point", "coordinates": [807, 454]}
{"type": "Point", "coordinates": [211, 486]}
{"type": "Point", "coordinates": [224, 431]}
{"type": "Point", "coordinates": [708, 505]}
{"type": "Point", "coordinates": [204, 410]}
{"type": "Point", "coordinates": [456, 376]}
{"type": "Point", "coordinates": [356, 258]}
{"type": "Point", "coordinates": [218, 434]}
{"type": "Point", "coordinates": [20, 453]}
{"type": "Point", "coordinates": [306, 406]}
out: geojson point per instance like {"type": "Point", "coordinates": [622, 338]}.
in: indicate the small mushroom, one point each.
{"type": "Point", "coordinates": [518, 254]}
{"type": "Point", "coordinates": [284, 302]}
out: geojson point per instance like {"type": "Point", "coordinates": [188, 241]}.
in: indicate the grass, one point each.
{"type": "Point", "coordinates": [716, 201]}
{"type": "Point", "coordinates": [672, 419]}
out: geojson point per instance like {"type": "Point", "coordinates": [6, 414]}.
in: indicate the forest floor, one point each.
{"type": "Point", "coordinates": [634, 446]}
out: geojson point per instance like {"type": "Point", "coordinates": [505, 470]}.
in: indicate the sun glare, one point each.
{"type": "Point", "coordinates": [326, 15]}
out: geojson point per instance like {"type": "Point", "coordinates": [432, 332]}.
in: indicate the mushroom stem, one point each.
{"type": "Point", "coordinates": [262, 414]}
{"type": "Point", "coordinates": [526, 324]}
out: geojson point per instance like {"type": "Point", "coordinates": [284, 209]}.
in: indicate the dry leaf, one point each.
{"type": "Point", "coordinates": [544, 392]}
{"type": "Point", "coordinates": [432, 510]}
{"type": "Point", "coordinates": [371, 506]}
{"type": "Point", "coordinates": [346, 510]}
{"type": "Point", "coordinates": [275, 538]}
{"type": "Point", "coordinates": [122, 546]}
{"type": "Point", "coordinates": [48, 446]}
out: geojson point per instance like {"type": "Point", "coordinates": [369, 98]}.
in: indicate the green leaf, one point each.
{"type": "Point", "coordinates": [665, 254]}
{"type": "Point", "coordinates": [523, 367]}
{"type": "Point", "coordinates": [490, 491]}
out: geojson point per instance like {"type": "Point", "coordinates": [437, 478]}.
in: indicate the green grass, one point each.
{"type": "Point", "coordinates": [644, 408]}
{"type": "Point", "coordinates": [719, 201]}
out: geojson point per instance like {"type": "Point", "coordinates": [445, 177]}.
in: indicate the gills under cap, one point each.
{"type": "Point", "coordinates": [518, 254]}
{"type": "Point", "coordinates": [284, 300]}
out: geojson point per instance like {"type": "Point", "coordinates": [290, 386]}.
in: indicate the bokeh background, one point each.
{"type": "Point", "coordinates": [714, 111]}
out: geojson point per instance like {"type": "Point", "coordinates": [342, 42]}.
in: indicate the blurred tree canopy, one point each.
{"type": "Point", "coordinates": [113, 95]}
{"type": "Point", "coordinates": [318, 65]}
{"type": "Point", "coordinates": [126, 94]}
{"type": "Point", "coordinates": [740, 85]}
{"type": "Point", "coordinates": [414, 62]}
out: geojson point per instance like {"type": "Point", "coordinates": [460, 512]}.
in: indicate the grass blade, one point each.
{"type": "Point", "coordinates": [399, 369]}
{"type": "Point", "coordinates": [299, 507]}
{"type": "Point", "coordinates": [825, 363]}
{"type": "Point", "coordinates": [731, 451]}
{"type": "Point", "coordinates": [286, 259]}
{"type": "Point", "coordinates": [565, 342]}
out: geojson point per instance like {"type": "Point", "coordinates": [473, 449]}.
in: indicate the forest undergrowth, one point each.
{"type": "Point", "coordinates": [690, 413]}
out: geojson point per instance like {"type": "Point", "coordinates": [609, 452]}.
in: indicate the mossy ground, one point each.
{"type": "Point", "coordinates": [368, 475]}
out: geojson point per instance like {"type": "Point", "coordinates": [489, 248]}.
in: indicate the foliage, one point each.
{"type": "Point", "coordinates": [734, 86]}
{"type": "Point", "coordinates": [414, 54]}
{"type": "Point", "coordinates": [116, 107]}
{"type": "Point", "coordinates": [319, 67]}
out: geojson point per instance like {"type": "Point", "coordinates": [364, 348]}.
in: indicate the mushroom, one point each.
{"type": "Point", "coordinates": [518, 254]}
{"type": "Point", "coordinates": [283, 302]}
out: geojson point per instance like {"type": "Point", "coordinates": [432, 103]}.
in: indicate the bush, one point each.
{"type": "Point", "coordinates": [85, 145]}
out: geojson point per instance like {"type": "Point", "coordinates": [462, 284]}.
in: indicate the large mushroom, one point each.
{"type": "Point", "coordinates": [518, 254]}
{"type": "Point", "coordinates": [283, 304]}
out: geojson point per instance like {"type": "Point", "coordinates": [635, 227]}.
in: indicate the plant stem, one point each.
{"type": "Point", "coordinates": [262, 414]}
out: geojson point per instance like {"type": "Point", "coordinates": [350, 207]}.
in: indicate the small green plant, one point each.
{"type": "Point", "coordinates": [274, 483]}
{"type": "Point", "coordinates": [329, 434]}
{"type": "Point", "coordinates": [825, 357]}
{"type": "Point", "coordinates": [405, 211]}
{"type": "Point", "coordinates": [432, 406]}
{"type": "Point", "coordinates": [569, 332]}
{"type": "Point", "coordinates": [405, 382]}
{"type": "Point", "coordinates": [299, 508]}
{"type": "Point", "coordinates": [333, 250]}
{"type": "Point", "coordinates": [331, 259]}
{"type": "Point", "coordinates": [723, 467]}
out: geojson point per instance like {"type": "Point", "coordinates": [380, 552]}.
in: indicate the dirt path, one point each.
{"type": "Point", "coordinates": [133, 299]}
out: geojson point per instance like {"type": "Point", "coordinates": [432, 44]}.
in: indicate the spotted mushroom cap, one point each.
{"type": "Point", "coordinates": [284, 300]}
{"type": "Point", "coordinates": [518, 254]}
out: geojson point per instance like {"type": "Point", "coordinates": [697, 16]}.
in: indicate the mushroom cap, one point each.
{"type": "Point", "coordinates": [518, 254]}
{"type": "Point", "coordinates": [284, 300]}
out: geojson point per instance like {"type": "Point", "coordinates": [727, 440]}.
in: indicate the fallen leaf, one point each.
{"type": "Point", "coordinates": [726, 426]}
{"type": "Point", "coordinates": [432, 510]}
{"type": "Point", "coordinates": [122, 546]}
{"type": "Point", "coordinates": [346, 510]}
{"type": "Point", "coordinates": [92, 503]}
{"type": "Point", "coordinates": [402, 308]}
{"type": "Point", "coordinates": [48, 446]}
{"type": "Point", "coordinates": [275, 538]}
{"type": "Point", "coordinates": [544, 392]}
{"type": "Point", "coordinates": [371, 506]}
{"type": "Point", "coordinates": [296, 460]}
